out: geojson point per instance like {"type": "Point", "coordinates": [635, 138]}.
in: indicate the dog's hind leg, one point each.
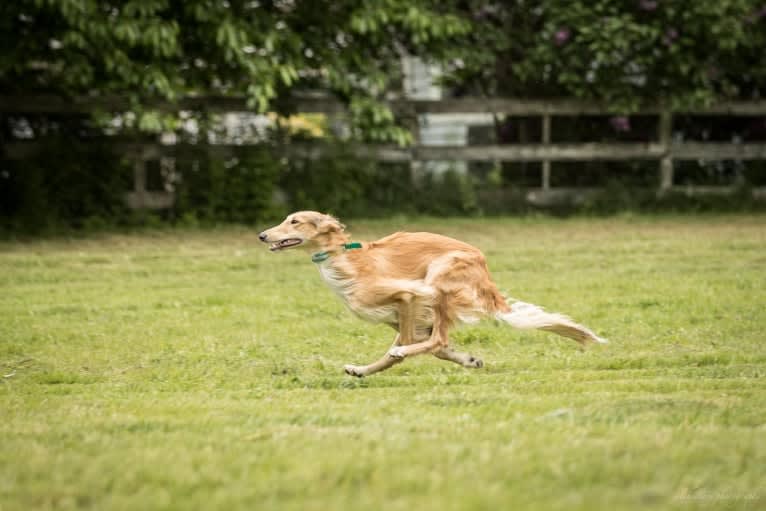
{"type": "Point", "coordinates": [380, 365]}
{"type": "Point", "coordinates": [459, 357]}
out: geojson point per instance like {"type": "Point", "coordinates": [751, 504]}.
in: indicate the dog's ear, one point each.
{"type": "Point", "coordinates": [328, 223]}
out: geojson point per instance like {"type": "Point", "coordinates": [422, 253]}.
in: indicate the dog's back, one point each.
{"type": "Point", "coordinates": [408, 255]}
{"type": "Point", "coordinates": [431, 267]}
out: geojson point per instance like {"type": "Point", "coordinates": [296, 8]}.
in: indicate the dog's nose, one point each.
{"type": "Point", "coordinates": [263, 236]}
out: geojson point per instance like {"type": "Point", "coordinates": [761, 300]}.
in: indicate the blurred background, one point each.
{"type": "Point", "coordinates": [200, 112]}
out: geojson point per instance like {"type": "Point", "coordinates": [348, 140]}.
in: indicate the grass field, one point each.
{"type": "Point", "coordinates": [195, 370]}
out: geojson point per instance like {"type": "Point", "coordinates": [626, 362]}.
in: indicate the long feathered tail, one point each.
{"type": "Point", "coordinates": [528, 316]}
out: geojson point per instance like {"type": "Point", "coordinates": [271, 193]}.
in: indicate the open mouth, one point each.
{"type": "Point", "coordinates": [290, 242]}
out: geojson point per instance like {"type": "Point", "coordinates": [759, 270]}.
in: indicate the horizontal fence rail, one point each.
{"type": "Point", "coordinates": [664, 149]}
{"type": "Point", "coordinates": [481, 153]}
{"type": "Point", "coordinates": [324, 103]}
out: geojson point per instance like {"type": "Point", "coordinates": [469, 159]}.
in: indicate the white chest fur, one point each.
{"type": "Point", "coordinates": [338, 282]}
{"type": "Point", "coordinates": [344, 286]}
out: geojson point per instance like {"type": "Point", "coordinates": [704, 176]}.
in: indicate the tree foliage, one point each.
{"type": "Point", "coordinates": [624, 52]}
{"type": "Point", "coordinates": [264, 49]}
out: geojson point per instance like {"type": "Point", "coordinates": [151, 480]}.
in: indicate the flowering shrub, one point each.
{"type": "Point", "coordinates": [623, 52]}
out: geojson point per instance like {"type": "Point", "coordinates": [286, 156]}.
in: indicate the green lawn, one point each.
{"type": "Point", "coordinates": [187, 369]}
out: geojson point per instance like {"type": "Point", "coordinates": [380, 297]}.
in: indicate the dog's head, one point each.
{"type": "Point", "coordinates": [309, 229]}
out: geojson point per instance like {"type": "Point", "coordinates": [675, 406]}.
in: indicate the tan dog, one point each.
{"type": "Point", "coordinates": [419, 283]}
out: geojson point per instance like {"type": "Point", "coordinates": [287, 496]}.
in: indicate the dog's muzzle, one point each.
{"type": "Point", "coordinates": [290, 242]}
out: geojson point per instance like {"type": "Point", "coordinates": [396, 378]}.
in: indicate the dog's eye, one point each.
{"type": "Point", "coordinates": [294, 221]}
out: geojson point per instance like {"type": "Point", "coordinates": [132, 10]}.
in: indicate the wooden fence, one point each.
{"type": "Point", "coordinates": [663, 149]}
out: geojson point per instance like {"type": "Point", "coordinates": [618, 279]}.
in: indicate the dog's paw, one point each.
{"type": "Point", "coordinates": [397, 352]}
{"type": "Point", "coordinates": [353, 370]}
{"type": "Point", "coordinates": [474, 362]}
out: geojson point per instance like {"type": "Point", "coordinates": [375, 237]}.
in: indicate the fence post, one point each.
{"type": "Point", "coordinates": [139, 182]}
{"type": "Point", "coordinates": [546, 176]}
{"type": "Point", "coordinates": [666, 162]}
{"type": "Point", "coordinates": [411, 121]}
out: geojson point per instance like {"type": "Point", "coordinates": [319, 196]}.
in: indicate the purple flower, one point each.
{"type": "Point", "coordinates": [620, 123]}
{"type": "Point", "coordinates": [487, 11]}
{"type": "Point", "coordinates": [561, 36]}
{"type": "Point", "coordinates": [670, 35]}
{"type": "Point", "coordinates": [648, 5]}
{"type": "Point", "coordinates": [754, 16]}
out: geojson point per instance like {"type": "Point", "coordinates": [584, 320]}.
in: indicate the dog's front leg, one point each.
{"type": "Point", "coordinates": [384, 363]}
{"type": "Point", "coordinates": [436, 342]}
{"type": "Point", "coordinates": [406, 318]}
{"type": "Point", "coordinates": [406, 315]}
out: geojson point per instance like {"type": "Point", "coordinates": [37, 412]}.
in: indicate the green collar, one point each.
{"type": "Point", "coordinates": [321, 256]}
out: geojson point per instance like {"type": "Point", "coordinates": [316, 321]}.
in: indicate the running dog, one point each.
{"type": "Point", "coordinates": [419, 283]}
